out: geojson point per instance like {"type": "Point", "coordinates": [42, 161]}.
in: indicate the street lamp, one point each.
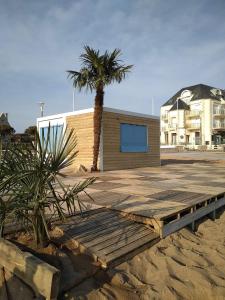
{"type": "Point", "coordinates": [74, 99]}
{"type": "Point", "coordinates": [178, 132]}
{"type": "Point", "coordinates": [42, 104]}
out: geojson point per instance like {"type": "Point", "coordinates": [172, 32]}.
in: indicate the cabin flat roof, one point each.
{"type": "Point", "coordinates": [89, 110]}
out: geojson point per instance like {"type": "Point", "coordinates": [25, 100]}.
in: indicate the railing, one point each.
{"type": "Point", "coordinates": [172, 126]}
{"type": "Point", "coordinates": [193, 113]}
{"type": "Point", "coordinates": [219, 125]}
{"type": "Point", "coordinates": [219, 112]}
{"type": "Point", "coordinates": [192, 126]}
{"type": "Point", "coordinates": [164, 117]}
{"type": "Point", "coordinates": [164, 128]}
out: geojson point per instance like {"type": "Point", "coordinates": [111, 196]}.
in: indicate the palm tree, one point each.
{"type": "Point", "coordinates": [97, 71]}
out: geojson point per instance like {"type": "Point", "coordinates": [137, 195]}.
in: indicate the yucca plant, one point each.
{"type": "Point", "coordinates": [31, 189]}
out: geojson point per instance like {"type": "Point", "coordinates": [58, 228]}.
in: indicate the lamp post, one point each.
{"type": "Point", "coordinates": [42, 104]}
{"type": "Point", "coordinates": [177, 123]}
{"type": "Point", "coordinates": [74, 99]}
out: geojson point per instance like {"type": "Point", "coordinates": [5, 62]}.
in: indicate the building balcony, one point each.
{"type": "Point", "coordinates": [219, 126]}
{"type": "Point", "coordinates": [164, 128]}
{"type": "Point", "coordinates": [164, 117]}
{"type": "Point", "coordinates": [220, 113]}
{"type": "Point", "coordinates": [192, 126]}
{"type": "Point", "coordinates": [172, 127]}
{"type": "Point", "coordinates": [193, 114]}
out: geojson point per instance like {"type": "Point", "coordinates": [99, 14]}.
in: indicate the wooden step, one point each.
{"type": "Point", "coordinates": [108, 237]}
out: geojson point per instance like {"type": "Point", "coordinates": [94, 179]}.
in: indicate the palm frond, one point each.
{"type": "Point", "coordinates": [29, 177]}
{"type": "Point", "coordinates": [99, 69]}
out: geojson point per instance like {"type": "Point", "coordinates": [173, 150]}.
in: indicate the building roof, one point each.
{"type": "Point", "coordinates": [199, 91]}
{"type": "Point", "coordinates": [4, 119]}
{"type": "Point", "coordinates": [91, 110]}
{"type": "Point", "coordinates": [179, 104]}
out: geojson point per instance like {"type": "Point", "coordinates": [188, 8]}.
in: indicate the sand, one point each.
{"type": "Point", "coordinates": [184, 265]}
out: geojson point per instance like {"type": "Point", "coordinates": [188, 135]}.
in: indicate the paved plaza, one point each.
{"type": "Point", "coordinates": [183, 180]}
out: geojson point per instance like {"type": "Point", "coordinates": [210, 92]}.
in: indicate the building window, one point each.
{"type": "Point", "coordinates": [133, 138]}
{"type": "Point", "coordinates": [55, 133]}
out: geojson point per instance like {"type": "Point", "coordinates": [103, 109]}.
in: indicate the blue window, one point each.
{"type": "Point", "coordinates": [133, 138]}
{"type": "Point", "coordinates": [56, 129]}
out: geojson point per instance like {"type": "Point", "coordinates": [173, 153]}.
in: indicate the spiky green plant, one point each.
{"type": "Point", "coordinates": [31, 189]}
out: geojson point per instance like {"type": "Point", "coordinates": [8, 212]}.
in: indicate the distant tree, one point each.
{"type": "Point", "coordinates": [32, 132]}
{"type": "Point", "coordinates": [98, 70]}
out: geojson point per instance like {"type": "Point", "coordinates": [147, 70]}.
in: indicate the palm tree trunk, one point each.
{"type": "Point", "coordinates": [99, 98]}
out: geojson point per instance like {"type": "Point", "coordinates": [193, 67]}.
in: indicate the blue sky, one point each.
{"type": "Point", "coordinates": [172, 44]}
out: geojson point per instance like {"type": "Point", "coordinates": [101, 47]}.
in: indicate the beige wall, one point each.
{"type": "Point", "coordinates": [113, 159]}
{"type": "Point", "coordinates": [83, 125]}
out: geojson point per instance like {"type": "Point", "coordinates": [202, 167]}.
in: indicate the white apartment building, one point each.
{"type": "Point", "coordinates": [193, 117]}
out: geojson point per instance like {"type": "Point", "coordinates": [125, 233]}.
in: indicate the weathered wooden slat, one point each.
{"type": "Point", "coordinates": [102, 238]}
{"type": "Point", "coordinates": [114, 240]}
{"type": "Point", "coordinates": [114, 247]}
{"type": "Point", "coordinates": [177, 196]}
{"type": "Point", "coordinates": [199, 200]}
{"type": "Point", "coordinates": [87, 223]}
{"type": "Point", "coordinates": [110, 236]}
{"type": "Point", "coordinates": [137, 245]}
{"type": "Point", "coordinates": [191, 217]}
{"type": "Point", "coordinates": [91, 234]}
{"type": "Point", "coordinates": [79, 220]}
{"type": "Point", "coordinates": [93, 229]}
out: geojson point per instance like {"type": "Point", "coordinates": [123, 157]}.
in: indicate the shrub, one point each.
{"type": "Point", "coordinates": [32, 192]}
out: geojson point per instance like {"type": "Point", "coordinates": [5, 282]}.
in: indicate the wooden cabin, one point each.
{"type": "Point", "coordinates": [128, 139]}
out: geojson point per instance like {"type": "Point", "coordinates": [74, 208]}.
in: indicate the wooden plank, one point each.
{"type": "Point", "coordinates": [114, 247]}
{"type": "Point", "coordinates": [156, 224]}
{"type": "Point", "coordinates": [198, 200]}
{"type": "Point", "coordinates": [43, 278]}
{"type": "Point", "coordinates": [113, 240]}
{"type": "Point", "coordinates": [87, 222]}
{"type": "Point", "coordinates": [90, 235]}
{"type": "Point", "coordinates": [135, 247]}
{"type": "Point", "coordinates": [113, 158]}
{"type": "Point", "coordinates": [179, 196]}
{"type": "Point", "coordinates": [189, 218]}
{"type": "Point", "coordinates": [92, 225]}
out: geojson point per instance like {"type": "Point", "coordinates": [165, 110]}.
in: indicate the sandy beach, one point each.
{"type": "Point", "coordinates": [184, 265]}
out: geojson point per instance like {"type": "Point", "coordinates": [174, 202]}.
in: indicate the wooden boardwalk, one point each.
{"type": "Point", "coordinates": [107, 236]}
{"type": "Point", "coordinates": [169, 211]}
{"type": "Point", "coordinates": [140, 205]}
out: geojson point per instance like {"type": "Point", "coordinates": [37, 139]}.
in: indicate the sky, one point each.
{"type": "Point", "coordinates": [171, 43]}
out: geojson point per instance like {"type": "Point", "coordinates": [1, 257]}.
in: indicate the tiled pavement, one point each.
{"type": "Point", "coordinates": [155, 192]}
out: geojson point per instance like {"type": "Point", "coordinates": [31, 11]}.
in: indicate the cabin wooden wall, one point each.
{"type": "Point", "coordinates": [113, 159]}
{"type": "Point", "coordinates": [83, 125]}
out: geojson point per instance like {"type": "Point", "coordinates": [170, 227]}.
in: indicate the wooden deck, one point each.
{"type": "Point", "coordinates": [179, 210]}
{"type": "Point", "coordinates": [107, 236]}
{"type": "Point", "coordinates": [140, 205]}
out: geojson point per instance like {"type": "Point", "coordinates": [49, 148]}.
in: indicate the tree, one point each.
{"type": "Point", "coordinates": [97, 71]}
{"type": "Point", "coordinates": [31, 130]}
